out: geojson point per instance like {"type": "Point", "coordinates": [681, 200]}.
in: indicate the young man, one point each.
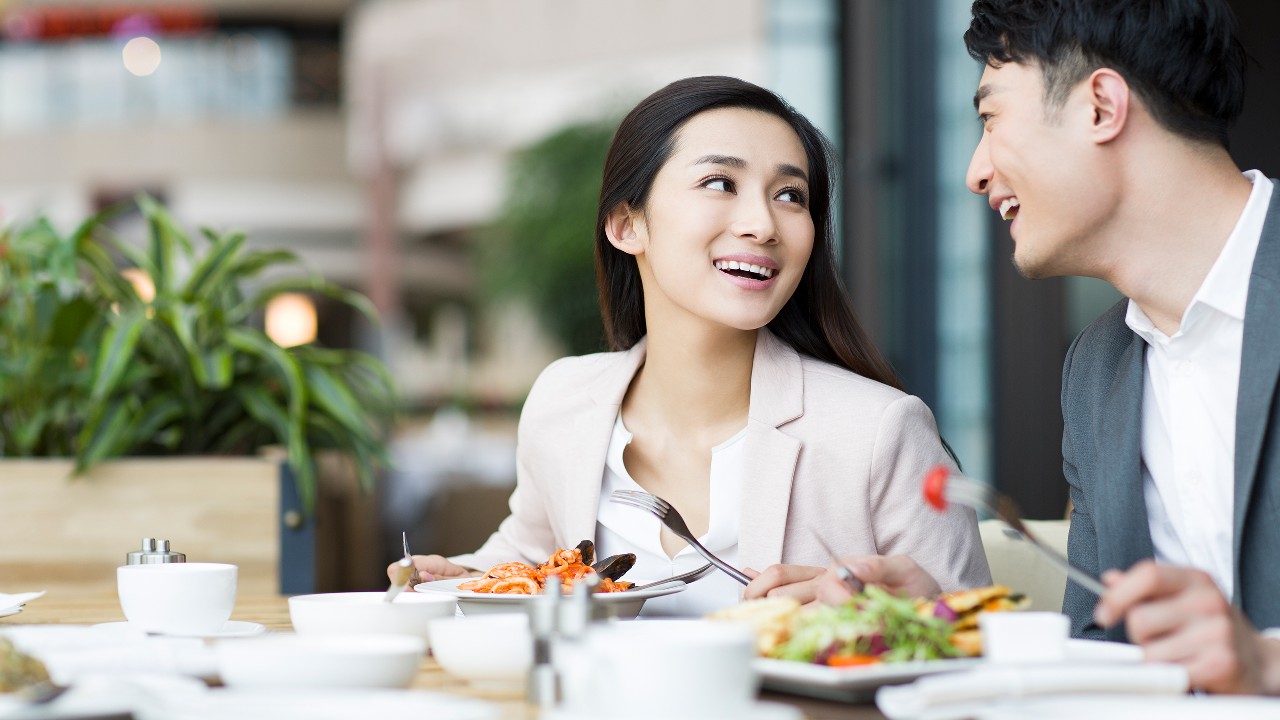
{"type": "Point", "coordinates": [1104, 145]}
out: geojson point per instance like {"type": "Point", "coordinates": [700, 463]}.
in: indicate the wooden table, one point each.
{"type": "Point", "coordinates": [73, 607]}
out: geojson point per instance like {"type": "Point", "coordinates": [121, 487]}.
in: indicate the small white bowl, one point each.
{"type": "Point", "coordinates": [320, 661]}
{"type": "Point", "coordinates": [1024, 637]}
{"type": "Point", "coordinates": [494, 651]}
{"type": "Point", "coordinates": [365, 613]}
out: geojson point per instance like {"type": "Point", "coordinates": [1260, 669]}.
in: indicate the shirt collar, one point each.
{"type": "Point", "coordinates": [1226, 287]}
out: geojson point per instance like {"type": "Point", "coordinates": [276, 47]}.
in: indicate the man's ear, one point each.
{"type": "Point", "coordinates": [1109, 98]}
{"type": "Point", "coordinates": [624, 226]}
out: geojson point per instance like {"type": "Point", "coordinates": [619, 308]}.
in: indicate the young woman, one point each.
{"type": "Point", "coordinates": [741, 389]}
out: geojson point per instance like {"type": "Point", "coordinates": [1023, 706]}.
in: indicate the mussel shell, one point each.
{"type": "Point", "coordinates": [588, 550]}
{"type": "Point", "coordinates": [615, 566]}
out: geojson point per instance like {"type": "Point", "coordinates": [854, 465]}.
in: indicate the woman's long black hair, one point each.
{"type": "Point", "coordinates": [818, 320]}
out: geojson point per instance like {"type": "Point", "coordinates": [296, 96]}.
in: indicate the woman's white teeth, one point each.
{"type": "Point", "coordinates": [727, 265]}
{"type": "Point", "coordinates": [1007, 207]}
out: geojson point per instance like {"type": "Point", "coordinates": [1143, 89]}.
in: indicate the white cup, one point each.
{"type": "Point", "coordinates": [1024, 637]}
{"type": "Point", "coordinates": [676, 668]}
{"type": "Point", "coordinates": [177, 598]}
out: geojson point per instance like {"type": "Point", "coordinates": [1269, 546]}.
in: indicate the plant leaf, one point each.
{"type": "Point", "coordinates": [116, 352]}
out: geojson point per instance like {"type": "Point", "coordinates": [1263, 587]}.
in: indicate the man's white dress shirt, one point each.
{"type": "Point", "coordinates": [1189, 407]}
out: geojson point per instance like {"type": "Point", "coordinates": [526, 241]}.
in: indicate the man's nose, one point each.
{"type": "Point", "coordinates": [978, 177]}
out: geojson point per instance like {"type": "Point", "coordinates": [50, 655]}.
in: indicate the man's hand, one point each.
{"type": "Point", "coordinates": [1178, 615]}
{"type": "Point", "coordinates": [797, 581]}
{"type": "Point", "coordinates": [898, 574]}
{"type": "Point", "coordinates": [433, 567]}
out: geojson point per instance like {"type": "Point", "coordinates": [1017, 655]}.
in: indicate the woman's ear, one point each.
{"type": "Point", "coordinates": [1109, 97]}
{"type": "Point", "coordinates": [624, 227]}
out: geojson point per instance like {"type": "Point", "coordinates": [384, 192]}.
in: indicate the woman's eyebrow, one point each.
{"type": "Point", "coordinates": [737, 162]}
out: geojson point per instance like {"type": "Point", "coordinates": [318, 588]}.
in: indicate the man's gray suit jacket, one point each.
{"type": "Point", "coordinates": [1102, 449]}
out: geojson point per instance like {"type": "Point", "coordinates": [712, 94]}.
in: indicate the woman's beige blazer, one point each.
{"type": "Point", "coordinates": [828, 453]}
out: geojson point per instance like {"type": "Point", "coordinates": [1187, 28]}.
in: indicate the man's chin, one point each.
{"type": "Point", "coordinates": [1029, 268]}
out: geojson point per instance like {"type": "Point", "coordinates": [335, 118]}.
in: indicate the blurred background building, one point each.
{"type": "Point", "coordinates": [398, 146]}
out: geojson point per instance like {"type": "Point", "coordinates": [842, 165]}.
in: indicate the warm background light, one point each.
{"type": "Point", "coordinates": [141, 283]}
{"type": "Point", "coordinates": [141, 56]}
{"type": "Point", "coordinates": [291, 320]}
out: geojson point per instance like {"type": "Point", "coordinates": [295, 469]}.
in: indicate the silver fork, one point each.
{"type": "Point", "coordinates": [687, 577]}
{"type": "Point", "coordinates": [941, 486]}
{"type": "Point", "coordinates": [676, 524]}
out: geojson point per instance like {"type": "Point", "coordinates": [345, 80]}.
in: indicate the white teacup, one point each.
{"type": "Point", "coordinates": [177, 598]}
{"type": "Point", "coordinates": [1024, 637]}
{"type": "Point", "coordinates": [700, 668]}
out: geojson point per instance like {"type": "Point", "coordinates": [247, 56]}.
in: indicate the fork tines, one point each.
{"type": "Point", "coordinates": [966, 491]}
{"type": "Point", "coordinates": [642, 500]}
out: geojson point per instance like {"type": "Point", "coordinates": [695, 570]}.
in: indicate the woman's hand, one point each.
{"type": "Point", "coordinates": [797, 581]}
{"type": "Point", "coordinates": [433, 567]}
{"type": "Point", "coordinates": [898, 574]}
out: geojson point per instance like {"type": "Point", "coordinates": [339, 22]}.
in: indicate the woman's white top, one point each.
{"type": "Point", "coordinates": [623, 529]}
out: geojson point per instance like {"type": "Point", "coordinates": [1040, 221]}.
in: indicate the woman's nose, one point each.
{"type": "Point", "coordinates": [755, 221]}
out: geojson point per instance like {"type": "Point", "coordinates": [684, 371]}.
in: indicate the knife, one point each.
{"type": "Point", "coordinates": [846, 575]}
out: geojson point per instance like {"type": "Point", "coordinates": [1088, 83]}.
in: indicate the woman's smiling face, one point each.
{"type": "Point", "coordinates": [726, 232]}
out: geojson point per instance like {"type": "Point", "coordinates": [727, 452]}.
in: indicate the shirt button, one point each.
{"type": "Point", "coordinates": [1186, 369]}
{"type": "Point", "coordinates": [1193, 480]}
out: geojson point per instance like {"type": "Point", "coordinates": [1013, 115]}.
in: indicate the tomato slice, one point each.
{"type": "Point", "coordinates": [935, 486]}
{"type": "Point", "coordinates": [852, 660]}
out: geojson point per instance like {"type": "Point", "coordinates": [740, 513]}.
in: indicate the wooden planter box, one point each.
{"type": "Point", "coordinates": [59, 532]}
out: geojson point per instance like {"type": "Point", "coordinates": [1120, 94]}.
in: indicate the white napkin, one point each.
{"type": "Point", "coordinates": [958, 694]}
{"type": "Point", "coordinates": [13, 602]}
{"type": "Point", "coordinates": [72, 651]}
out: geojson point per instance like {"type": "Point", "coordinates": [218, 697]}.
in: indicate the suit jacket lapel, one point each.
{"type": "Point", "coordinates": [1259, 365]}
{"type": "Point", "coordinates": [579, 489]}
{"type": "Point", "coordinates": [777, 397]}
{"type": "Point", "coordinates": [1121, 509]}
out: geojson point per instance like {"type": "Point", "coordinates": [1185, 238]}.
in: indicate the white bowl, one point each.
{"type": "Point", "coordinates": [320, 661]}
{"type": "Point", "coordinates": [365, 613]}
{"type": "Point", "coordinates": [488, 650]}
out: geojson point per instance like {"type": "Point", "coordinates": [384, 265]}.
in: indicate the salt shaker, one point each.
{"type": "Point", "coordinates": [571, 657]}
{"type": "Point", "coordinates": [545, 615]}
{"type": "Point", "coordinates": [154, 552]}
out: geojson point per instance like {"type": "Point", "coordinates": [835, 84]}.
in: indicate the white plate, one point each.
{"type": "Point", "coordinates": [860, 682]}
{"type": "Point", "coordinates": [5, 612]}
{"type": "Point", "coordinates": [1123, 707]}
{"type": "Point", "coordinates": [617, 604]}
{"type": "Point", "coordinates": [232, 629]}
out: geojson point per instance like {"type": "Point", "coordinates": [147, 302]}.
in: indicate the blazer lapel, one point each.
{"type": "Point", "coordinates": [1259, 365]}
{"type": "Point", "coordinates": [777, 397]}
{"type": "Point", "coordinates": [1120, 510]}
{"type": "Point", "coordinates": [579, 488]}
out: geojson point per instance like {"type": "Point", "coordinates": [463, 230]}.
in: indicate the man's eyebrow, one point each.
{"type": "Point", "coordinates": [739, 163]}
{"type": "Point", "coordinates": [983, 92]}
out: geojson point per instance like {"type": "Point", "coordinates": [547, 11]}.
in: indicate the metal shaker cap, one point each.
{"type": "Point", "coordinates": [154, 552]}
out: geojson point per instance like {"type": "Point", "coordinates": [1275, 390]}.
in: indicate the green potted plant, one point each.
{"type": "Point", "coordinates": [92, 369]}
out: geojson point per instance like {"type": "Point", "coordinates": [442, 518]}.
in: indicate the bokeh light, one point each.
{"type": "Point", "coordinates": [291, 320]}
{"type": "Point", "coordinates": [141, 56]}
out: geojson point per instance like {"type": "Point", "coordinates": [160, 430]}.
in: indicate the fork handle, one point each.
{"type": "Point", "coordinates": [723, 566]}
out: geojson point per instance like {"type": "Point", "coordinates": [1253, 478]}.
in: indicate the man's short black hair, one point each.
{"type": "Point", "coordinates": [1181, 57]}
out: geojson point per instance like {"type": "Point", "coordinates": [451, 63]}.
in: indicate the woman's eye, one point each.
{"type": "Point", "coordinates": [721, 184]}
{"type": "Point", "coordinates": [792, 195]}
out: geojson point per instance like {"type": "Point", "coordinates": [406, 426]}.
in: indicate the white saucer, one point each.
{"type": "Point", "coordinates": [232, 629]}
{"type": "Point", "coordinates": [757, 711]}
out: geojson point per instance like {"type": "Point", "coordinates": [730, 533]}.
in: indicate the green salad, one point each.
{"type": "Point", "coordinates": [874, 626]}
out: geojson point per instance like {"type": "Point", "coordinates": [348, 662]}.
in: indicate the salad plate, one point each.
{"type": "Point", "coordinates": [850, 684]}
{"type": "Point", "coordinates": [623, 605]}
{"type": "Point", "coordinates": [858, 683]}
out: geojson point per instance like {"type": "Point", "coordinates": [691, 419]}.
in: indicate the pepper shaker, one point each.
{"type": "Point", "coordinates": [154, 552]}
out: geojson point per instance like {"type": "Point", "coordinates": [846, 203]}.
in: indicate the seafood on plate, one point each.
{"type": "Point", "coordinates": [874, 626]}
{"type": "Point", "coordinates": [571, 564]}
